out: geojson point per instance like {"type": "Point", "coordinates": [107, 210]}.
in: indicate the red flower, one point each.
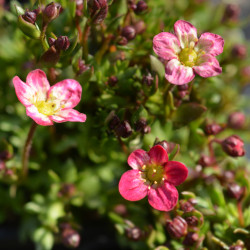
{"type": "Point", "coordinates": [153, 175]}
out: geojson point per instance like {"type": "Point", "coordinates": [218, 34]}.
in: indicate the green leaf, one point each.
{"type": "Point", "coordinates": [157, 66]}
{"type": "Point", "coordinates": [187, 113]}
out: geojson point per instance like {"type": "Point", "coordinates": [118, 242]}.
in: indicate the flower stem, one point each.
{"type": "Point", "coordinates": [240, 214]}
{"type": "Point", "coordinates": [26, 150]}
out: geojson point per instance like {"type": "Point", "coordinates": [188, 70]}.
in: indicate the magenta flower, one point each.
{"type": "Point", "coordinates": [153, 175]}
{"type": "Point", "coordinates": [186, 54]}
{"type": "Point", "coordinates": [45, 104]}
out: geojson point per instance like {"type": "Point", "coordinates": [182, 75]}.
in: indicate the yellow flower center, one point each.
{"type": "Point", "coordinates": [46, 108]}
{"type": "Point", "coordinates": [153, 175]}
{"type": "Point", "coordinates": [188, 57]}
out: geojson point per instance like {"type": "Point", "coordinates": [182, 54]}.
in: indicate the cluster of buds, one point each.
{"type": "Point", "coordinates": [98, 10]}
{"type": "Point", "coordinates": [31, 16]}
{"type": "Point", "coordinates": [121, 128]}
{"type": "Point", "coordinates": [69, 236]}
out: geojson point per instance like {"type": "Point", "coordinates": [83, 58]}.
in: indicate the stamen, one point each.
{"type": "Point", "coordinates": [192, 44]}
{"type": "Point", "coordinates": [149, 188]}
{"type": "Point", "coordinates": [154, 170]}
{"type": "Point", "coordinates": [163, 179]}
{"type": "Point", "coordinates": [143, 167]}
{"type": "Point", "coordinates": [155, 182]}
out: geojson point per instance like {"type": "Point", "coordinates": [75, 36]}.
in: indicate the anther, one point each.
{"type": "Point", "coordinates": [144, 167]}
{"type": "Point", "coordinates": [155, 182]}
{"type": "Point", "coordinates": [154, 170]}
{"type": "Point", "coordinates": [163, 179]}
{"type": "Point", "coordinates": [149, 188]}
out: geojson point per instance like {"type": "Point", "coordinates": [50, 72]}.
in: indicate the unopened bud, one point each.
{"type": "Point", "coordinates": [190, 239]}
{"type": "Point", "coordinates": [140, 27]}
{"type": "Point", "coordinates": [51, 41]}
{"type": "Point", "coordinates": [177, 228]}
{"type": "Point", "coordinates": [148, 80]}
{"type": "Point", "coordinates": [112, 81]}
{"type": "Point", "coordinates": [62, 43]}
{"type": "Point", "coordinates": [141, 6]}
{"type": "Point", "coordinates": [123, 129]}
{"type": "Point", "coordinates": [192, 221]}
{"type": "Point", "coordinates": [239, 51]}
{"type": "Point", "coordinates": [168, 146]}
{"type": "Point", "coordinates": [134, 233]}
{"type": "Point", "coordinates": [81, 67]}
{"type": "Point", "coordinates": [146, 130]}
{"type": "Point", "coordinates": [233, 146]}
{"type": "Point", "coordinates": [206, 161]}
{"type": "Point", "coordinates": [114, 122]}
{"type": "Point", "coordinates": [51, 56]}
{"type": "Point", "coordinates": [186, 206]}
{"type": "Point", "coordinates": [70, 238]}
{"type": "Point", "coordinates": [28, 28]}
{"type": "Point", "coordinates": [140, 125]}
{"type": "Point", "coordinates": [67, 190]}
{"type": "Point", "coordinates": [235, 191]}
{"type": "Point", "coordinates": [30, 16]}
{"type": "Point", "coordinates": [213, 129]}
{"type": "Point", "coordinates": [236, 248]}
{"type": "Point", "coordinates": [231, 13]}
{"type": "Point", "coordinates": [51, 12]}
{"type": "Point", "coordinates": [128, 32]}
{"type": "Point", "coordinates": [98, 10]}
{"type": "Point", "coordinates": [236, 120]}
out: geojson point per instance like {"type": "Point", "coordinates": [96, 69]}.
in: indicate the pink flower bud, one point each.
{"type": "Point", "coordinates": [235, 191]}
{"type": "Point", "coordinates": [140, 27]}
{"type": "Point", "coordinates": [114, 122]}
{"type": "Point", "coordinates": [51, 12]}
{"type": "Point", "coordinates": [236, 120]}
{"type": "Point", "coordinates": [128, 32]}
{"type": "Point", "coordinates": [62, 43]}
{"type": "Point", "coordinates": [233, 146]}
{"type": "Point", "coordinates": [141, 6]}
{"type": "Point", "coordinates": [177, 228]}
{"type": "Point", "coordinates": [213, 129]}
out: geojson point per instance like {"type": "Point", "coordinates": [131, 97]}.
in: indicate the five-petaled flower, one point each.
{"type": "Point", "coordinates": [153, 175]}
{"type": "Point", "coordinates": [45, 104]}
{"type": "Point", "coordinates": [186, 54]}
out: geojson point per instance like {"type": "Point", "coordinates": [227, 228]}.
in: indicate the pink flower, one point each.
{"type": "Point", "coordinates": [45, 104]}
{"type": "Point", "coordinates": [186, 54]}
{"type": "Point", "coordinates": [153, 175]}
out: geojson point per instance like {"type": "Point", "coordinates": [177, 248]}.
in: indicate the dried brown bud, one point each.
{"type": "Point", "coordinates": [123, 129]}
{"type": "Point", "coordinates": [98, 10]}
{"type": "Point", "coordinates": [62, 43]}
{"type": "Point", "coordinates": [235, 191]}
{"type": "Point", "coordinates": [128, 32]}
{"type": "Point", "coordinates": [70, 238]}
{"type": "Point", "coordinates": [190, 239]}
{"type": "Point", "coordinates": [236, 120]}
{"type": "Point", "coordinates": [233, 146]}
{"type": "Point", "coordinates": [177, 228]}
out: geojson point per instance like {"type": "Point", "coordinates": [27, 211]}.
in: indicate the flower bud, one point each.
{"type": "Point", "coordinates": [29, 29]}
{"type": "Point", "coordinates": [140, 125]}
{"type": "Point", "coordinates": [168, 146]}
{"type": "Point", "coordinates": [80, 67]}
{"type": "Point", "coordinates": [146, 130]}
{"type": "Point", "coordinates": [140, 27]}
{"type": "Point", "coordinates": [98, 10]}
{"type": "Point", "coordinates": [67, 190]}
{"type": "Point", "coordinates": [192, 221]}
{"type": "Point", "coordinates": [233, 146]}
{"type": "Point", "coordinates": [134, 233]}
{"type": "Point", "coordinates": [5, 155]}
{"type": "Point", "coordinates": [228, 176]}
{"type": "Point", "coordinates": [70, 238]}
{"type": "Point", "coordinates": [213, 129]}
{"type": "Point", "coordinates": [112, 81]}
{"type": "Point", "coordinates": [190, 239]}
{"type": "Point", "coordinates": [122, 40]}
{"type": "Point", "coordinates": [236, 248]}
{"type": "Point", "coordinates": [235, 191]}
{"type": "Point", "coordinates": [231, 13]}
{"type": "Point", "coordinates": [51, 12]}
{"type": "Point", "coordinates": [51, 41]}
{"type": "Point", "coordinates": [236, 120]}
{"type": "Point", "coordinates": [30, 16]}
{"type": "Point", "coordinates": [148, 80]}
{"type": "Point", "coordinates": [120, 209]}
{"type": "Point", "coordinates": [239, 51]}
{"type": "Point", "coordinates": [50, 57]}
{"type": "Point", "coordinates": [141, 6]}
{"type": "Point", "coordinates": [128, 32]}
{"type": "Point", "coordinates": [177, 228]}
{"type": "Point", "coordinates": [123, 129]}
{"type": "Point", "coordinates": [114, 122]}
{"type": "Point", "coordinates": [186, 206]}
{"type": "Point", "coordinates": [206, 161]}
{"type": "Point", "coordinates": [62, 43]}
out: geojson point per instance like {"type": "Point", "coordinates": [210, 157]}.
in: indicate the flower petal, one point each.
{"type": "Point", "coordinates": [39, 118]}
{"type": "Point", "coordinates": [210, 43]}
{"type": "Point", "coordinates": [176, 172]}
{"type": "Point", "coordinates": [38, 81]}
{"type": "Point", "coordinates": [138, 158]}
{"type": "Point", "coordinates": [163, 198]}
{"type": "Point", "coordinates": [158, 155]}
{"type": "Point", "coordinates": [132, 187]}
{"type": "Point", "coordinates": [166, 45]}
{"type": "Point", "coordinates": [70, 115]}
{"type": "Point", "coordinates": [207, 66]}
{"type": "Point", "coordinates": [68, 92]}
{"type": "Point", "coordinates": [24, 93]}
{"type": "Point", "coordinates": [186, 33]}
{"type": "Point", "coordinates": [178, 74]}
